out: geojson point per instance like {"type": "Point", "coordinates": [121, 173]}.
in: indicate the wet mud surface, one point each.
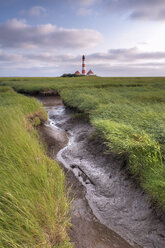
{"type": "Point", "coordinates": [105, 197]}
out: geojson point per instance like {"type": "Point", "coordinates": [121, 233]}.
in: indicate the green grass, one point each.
{"type": "Point", "coordinates": [34, 205]}
{"type": "Point", "coordinates": [127, 112]}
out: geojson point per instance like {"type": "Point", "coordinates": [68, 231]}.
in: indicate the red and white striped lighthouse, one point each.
{"type": "Point", "coordinates": [83, 65]}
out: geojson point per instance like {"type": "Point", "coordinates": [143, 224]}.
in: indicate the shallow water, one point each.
{"type": "Point", "coordinates": [113, 196]}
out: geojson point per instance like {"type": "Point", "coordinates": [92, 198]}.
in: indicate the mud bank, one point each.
{"type": "Point", "coordinates": [114, 201]}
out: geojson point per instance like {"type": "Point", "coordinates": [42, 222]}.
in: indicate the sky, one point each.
{"type": "Point", "coordinates": [49, 37]}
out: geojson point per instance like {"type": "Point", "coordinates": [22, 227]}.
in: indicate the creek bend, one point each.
{"type": "Point", "coordinates": [109, 209]}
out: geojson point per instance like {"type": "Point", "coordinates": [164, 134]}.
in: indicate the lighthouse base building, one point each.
{"type": "Point", "coordinates": [77, 73]}
{"type": "Point", "coordinates": [90, 73]}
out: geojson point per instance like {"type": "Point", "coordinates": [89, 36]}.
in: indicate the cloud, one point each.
{"type": "Point", "coordinates": [18, 34]}
{"type": "Point", "coordinates": [139, 9]}
{"type": "Point", "coordinates": [85, 3]}
{"type": "Point", "coordinates": [37, 11]}
{"type": "Point", "coordinates": [38, 64]}
{"type": "Point", "coordinates": [113, 56]}
{"type": "Point", "coordinates": [125, 55]}
{"type": "Point", "coordinates": [85, 12]}
{"type": "Point", "coordinates": [10, 58]}
{"type": "Point", "coordinates": [115, 62]}
{"type": "Point", "coordinates": [142, 43]}
{"type": "Point", "coordinates": [129, 70]}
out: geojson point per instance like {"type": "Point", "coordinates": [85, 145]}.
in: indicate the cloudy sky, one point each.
{"type": "Point", "coordinates": [48, 37]}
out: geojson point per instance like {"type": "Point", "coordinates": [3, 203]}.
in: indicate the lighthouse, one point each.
{"type": "Point", "coordinates": [83, 65]}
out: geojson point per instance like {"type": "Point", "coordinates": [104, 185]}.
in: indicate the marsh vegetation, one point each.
{"type": "Point", "coordinates": [128, 114]}
{"type": "Point", "coordinates": [34, 205]}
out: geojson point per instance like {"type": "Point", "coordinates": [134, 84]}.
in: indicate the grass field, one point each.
{"type": "Point", "coordinates": [127, 112]}
{"type": "Point", "coordinates": [34, 205]}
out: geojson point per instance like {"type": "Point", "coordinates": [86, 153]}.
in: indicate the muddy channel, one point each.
{"type": "Point", "coordinates": [109, 209]}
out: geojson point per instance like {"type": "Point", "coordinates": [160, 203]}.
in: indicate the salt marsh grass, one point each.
{"type": "Point", "coordinates": [34, 205]}
{"type": "Point", "coordinates": [127, 112]}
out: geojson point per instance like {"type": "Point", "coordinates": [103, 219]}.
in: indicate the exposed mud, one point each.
{"type": "Point", "coordinates": [114, 201]}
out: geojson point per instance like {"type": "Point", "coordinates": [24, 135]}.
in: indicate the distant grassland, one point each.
{"type": "Point", "coordinates": [128, 112]}
{"type": "Point", "coordinates": [33, 202]}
